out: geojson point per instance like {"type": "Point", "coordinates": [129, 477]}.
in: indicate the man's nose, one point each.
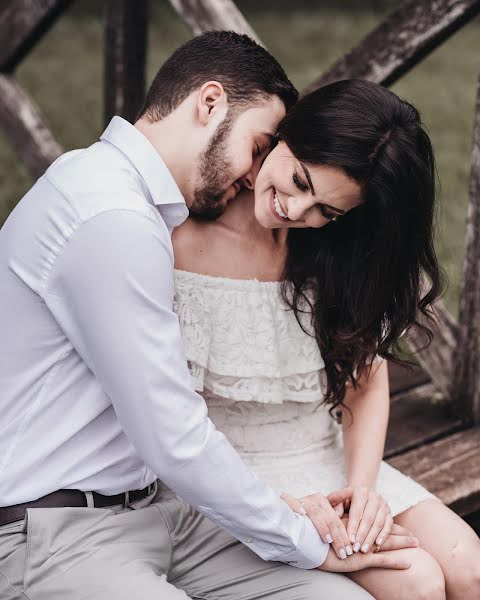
{"type": "Point", "coordinates": [248, 180]}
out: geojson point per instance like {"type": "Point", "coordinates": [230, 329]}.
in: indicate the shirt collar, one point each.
{"type": "Point", "coordinates": [146, 160]}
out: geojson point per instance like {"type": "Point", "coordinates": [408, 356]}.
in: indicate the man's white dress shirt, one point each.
{"type": "Point", "coordinates": [95, 392]}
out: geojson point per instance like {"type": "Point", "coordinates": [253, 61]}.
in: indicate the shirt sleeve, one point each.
{"type": "Point", "coordinates": [111, 290]}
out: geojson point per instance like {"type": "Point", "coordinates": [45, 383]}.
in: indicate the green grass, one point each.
{"type": "Point", "coordinates": [64, 76]}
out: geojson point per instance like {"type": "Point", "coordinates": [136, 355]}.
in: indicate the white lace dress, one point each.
{"type": "Point", "coordinates": [260, 375]}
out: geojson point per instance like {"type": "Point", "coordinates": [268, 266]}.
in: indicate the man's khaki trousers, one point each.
{"type": "Point", "coordinates": [158, 548]}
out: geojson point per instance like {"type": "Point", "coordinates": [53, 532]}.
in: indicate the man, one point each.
{"type": "Point", "coordinates": [96, 397]}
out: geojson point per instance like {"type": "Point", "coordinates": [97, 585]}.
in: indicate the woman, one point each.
{"type": "Point", "coordinates": [289, 304]}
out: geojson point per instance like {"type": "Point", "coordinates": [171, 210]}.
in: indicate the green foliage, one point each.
{"type": "Point", "coordinates": [64, 76]}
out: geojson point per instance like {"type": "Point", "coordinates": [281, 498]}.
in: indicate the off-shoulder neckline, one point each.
{"type": "Point", "coordinates": [211, 280]}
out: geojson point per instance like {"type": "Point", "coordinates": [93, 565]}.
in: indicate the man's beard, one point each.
{"type": "Point", "coordinates": [209, 199]}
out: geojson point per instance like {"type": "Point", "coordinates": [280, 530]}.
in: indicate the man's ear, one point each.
{"type": "Point", "coordinates": [211, 102]}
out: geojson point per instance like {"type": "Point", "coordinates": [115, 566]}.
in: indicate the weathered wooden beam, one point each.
{"type": "Point", "coordinates": [449, 468]}
{"type": "Point", "coordinates": [126, 27]}
{"type": "Point", "coordinates": [418, 416]}
{"type": "Point", "coordinates": [22, 24]}
{"type": "Point", "coordinates": [401, 41]}
{"type": "Point", "coordinates": [466, 380]}
{"type": "Point", "coordinates": [208, 15]}
{"type": "Point", "coordinates": [23, 124]}
{"type": "Point", "coordinates": [437, 358]}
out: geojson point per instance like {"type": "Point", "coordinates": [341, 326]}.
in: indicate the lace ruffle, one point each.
{"type": "Point", "coordinates": [242, 342]}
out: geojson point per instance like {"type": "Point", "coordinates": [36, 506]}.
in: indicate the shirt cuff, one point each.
{"type": "Point", "coordinates": [311, 550]}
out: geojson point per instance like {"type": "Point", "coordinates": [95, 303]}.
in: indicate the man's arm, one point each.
{"type": "Point", "coordinates": [111, 290]}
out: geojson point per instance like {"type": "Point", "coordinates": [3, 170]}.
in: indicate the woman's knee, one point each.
{"type": "Point", "coordinates": [424, 579]}
{"type": "Point", "coordinates": [463, 573]}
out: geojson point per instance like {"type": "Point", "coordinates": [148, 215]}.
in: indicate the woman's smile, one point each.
{"type": "Point", "coordinates": [276, 207]}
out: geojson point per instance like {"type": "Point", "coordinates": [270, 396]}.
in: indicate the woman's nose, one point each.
{"type": "Point", "coordinates": [297, 208]}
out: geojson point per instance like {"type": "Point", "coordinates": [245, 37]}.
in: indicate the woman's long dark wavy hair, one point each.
{"type": "Point", "coordinates": [363, 273]}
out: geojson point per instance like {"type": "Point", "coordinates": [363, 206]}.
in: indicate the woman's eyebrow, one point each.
{"type": "Point", "coordinates": [312, 189]}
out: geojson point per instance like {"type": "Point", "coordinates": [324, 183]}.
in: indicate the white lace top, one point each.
{"type": "Point", "coordinates": [262, 378]}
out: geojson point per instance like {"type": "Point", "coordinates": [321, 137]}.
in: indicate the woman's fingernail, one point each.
{"type": "Point", "coordinates": [342, 554]}
{"type": "Point", "coordinates": [349, 550]}
{"type": "Point", "coordinates": [356, 548]}
{"type": "Point", "coordinates": [329, 538]}
{"type": "Point", "coordinates": [302, 511]}
{"type": "Point", "coordinates": [379, 541]}
{"type": "Point", "coordinates": [365, 547]}
{"type": "Point", "coordinates": [352, 538]}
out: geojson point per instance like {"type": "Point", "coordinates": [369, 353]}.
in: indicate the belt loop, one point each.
{"type": "Point", "coordinates": [127, 499]}
{"type": "Point", "coordinates": [90, 499]}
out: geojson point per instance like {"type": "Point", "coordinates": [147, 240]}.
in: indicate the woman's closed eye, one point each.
{"type": "Point", "coordinates": [299, 183]}
{"type": "Point", "coordinates": [327, 213]}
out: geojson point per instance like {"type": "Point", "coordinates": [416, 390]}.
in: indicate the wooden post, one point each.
{"type": "Point", "coordinates": [208, 15]}
{"type": "Point", "coordinates": [22, 24]}
{"type": "Point", "coordinates": [23, 125]}
{"type": "Point", "coordinates": [466, 381]}
{"type": "Point", "coordinates": [401, 41]}
{"type": "Point", "coordinates": [125, 57]}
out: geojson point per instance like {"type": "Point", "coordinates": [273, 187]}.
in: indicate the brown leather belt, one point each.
{"type": "Point", "coordinates": [10, 514]}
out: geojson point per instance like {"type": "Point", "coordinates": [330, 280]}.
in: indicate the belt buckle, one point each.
{"type": "Point", "coordinates": [152, 488]}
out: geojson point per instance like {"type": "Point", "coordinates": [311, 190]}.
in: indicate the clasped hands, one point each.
{"type": "Point", "coordinates": [358, 525]}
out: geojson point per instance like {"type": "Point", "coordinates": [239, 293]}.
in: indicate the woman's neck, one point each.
{"type": "Point", "coordinates": [239, 218]}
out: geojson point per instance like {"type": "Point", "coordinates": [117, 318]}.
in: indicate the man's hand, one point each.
{"type": "Point", "coordinates": [327, 522]}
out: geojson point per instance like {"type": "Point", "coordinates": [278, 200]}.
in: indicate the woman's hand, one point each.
{"type": "Point", "coordinates": [369, 518]}
{"type": "Point", "coordinates": [327, 522]}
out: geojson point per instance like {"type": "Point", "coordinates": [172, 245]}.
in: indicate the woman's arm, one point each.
{"type": "Point", "coordinates": [365, 427]}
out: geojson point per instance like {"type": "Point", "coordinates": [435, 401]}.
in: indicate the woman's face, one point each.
{"type": "Point", "coordinates": [289, 193]}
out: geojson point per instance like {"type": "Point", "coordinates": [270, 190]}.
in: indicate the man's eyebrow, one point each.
{"type": "Point", "coordinates": [312, 189]}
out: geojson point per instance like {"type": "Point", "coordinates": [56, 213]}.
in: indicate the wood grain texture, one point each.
{"type": "Point", "coordinates": [22, 24]}
{"type": "Point", "coordinates": [466, 380]}
{"type": "Point", "coordinates": [401, 41]}
{"type": "Point", "coordinates": [209, 15]}
{"type": "Point", "coordinates": [418, 416]}
{"type": "Point", "coordinates": [24, 127]}
{"type": "Point", "coordinates": [437, 358]}
{"type": "Point", "coordinates": [126, 27]}
{"type": "Point", "coordinates": [449, 468]}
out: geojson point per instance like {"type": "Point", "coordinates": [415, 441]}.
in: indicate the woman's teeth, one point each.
{"type": "Point", "coordinates": [278, 208]}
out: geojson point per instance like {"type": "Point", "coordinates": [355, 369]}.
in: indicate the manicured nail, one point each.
{"type": "Point", "coordinates": [352, 538]}
{"type": "Point", "coordinates": [349, 551]}
{"type": "Point", "coordinates": [379, 541]}
{"type": "Point", "coordinates": [342, 554]}
{"type": "Point", "coordinates": [356, 548]}
{"type": "Point", "coordinates": [302, 511]}
{"type": "Point", "coordinates": [329, 538]}
{"type": "Point", "coordinates": [365, 547]}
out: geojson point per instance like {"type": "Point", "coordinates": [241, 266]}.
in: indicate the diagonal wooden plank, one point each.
{"type": "Point", "coordinates": [436, 359]}
{"type": "Point", "coordinates": [401, 41]}
{"type": "Point", "coordinates": [208, 15]}
{"type": "Point", "coordinates": [22, 24]}
{"type": "Point", "coordinates": [466, 382]}
{"type": "Point", "coordinates": [23, 124]}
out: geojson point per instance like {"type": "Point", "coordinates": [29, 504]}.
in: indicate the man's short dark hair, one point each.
{"type": "Point", "coordinates": [245, 69]}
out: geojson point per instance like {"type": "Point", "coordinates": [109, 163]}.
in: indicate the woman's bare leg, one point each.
{"type": "Point", "coordinates": [422, 581]}
{"type": "Point", "coordinates": [451, 542]}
